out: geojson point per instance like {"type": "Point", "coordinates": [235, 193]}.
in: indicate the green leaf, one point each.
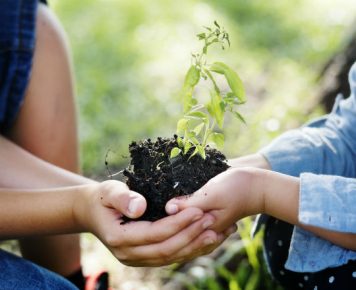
{"type": "Point", "coordinates": [187, 95]}
{"type": "Point", "coordinates": [192, 138]}
{"type": "Point", "coordinates": [216, 109]}
{"type": "Point", "coordinates": [223, 106]}
{"type": "Point", "coordinates": [231, 99]}
{"type": "Point", "coordinates": [198, 128]}
{"type": "Point", "coordinates": [194, 152]}
{"type": "Point", "coordinates": [175, 152]}
{"type": "Point", "coordinates": [192, 77]}
{"type": "Point", "coordinates": [182, 126]}
{"type": "Point", "coordinates": [198, 150]}
{"type": "Point", "coordinates": [191, 80]}
{"type": "Point", "coordinates": [218, 139]}
{"type": "Point", "coordinates": [232, 79]}
{"type": "Point", "coordinates": [209, 107]}
{"type": "Point", "coordinates": [193, 102]}
{"type": "Point", "coordinates": [187, 146]}
{"type": "Point", "coordinates": [239, 116]}
{"type": "Point", "coordinates": [201, 151]}
{"type": "Point", "coordinates": [201, 36]}
{"type": "Point", "coordinates": [180, 142]}
{"type": "Point", "coordinates": [200, 115]}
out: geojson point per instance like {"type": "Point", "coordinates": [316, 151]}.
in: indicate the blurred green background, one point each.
{"type": "Point", "coordinates": [131, 56]}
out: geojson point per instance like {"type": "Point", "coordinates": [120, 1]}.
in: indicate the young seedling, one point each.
{"type": "Point", "coordinates": [197, 126]}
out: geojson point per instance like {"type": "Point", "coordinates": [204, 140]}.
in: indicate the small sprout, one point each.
{"type": "Point", "coordinates": [197, 126]}
{"type": "Point", "coordinates": [187, 146]}
{"type": "Point", "coordinates": [175, 152]}
{"type": "Point", "coordinates": [180, 142]}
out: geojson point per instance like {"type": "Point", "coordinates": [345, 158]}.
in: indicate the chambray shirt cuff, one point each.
{"type": "Point", "coordinates": [328, 202]}
{"type": "Point", "coordinates": [324, 202]}
{"type": "Point", "coordinates": [309, 253]}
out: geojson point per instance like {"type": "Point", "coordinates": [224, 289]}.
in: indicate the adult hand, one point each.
{"type": "Point", "coordinates": [176, 238]}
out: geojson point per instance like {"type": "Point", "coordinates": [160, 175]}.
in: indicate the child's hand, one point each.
{"type": "Point", "coordinates": [229, 196]}
{"type": "Point", "coordinates": [177, 238]}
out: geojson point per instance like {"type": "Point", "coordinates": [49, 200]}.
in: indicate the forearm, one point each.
{"type": "Point", "coordinates": [253, 160]}
{"type": "Point", "coordinates": [40, 212]}
{"type": "Point", "coordinates": [281, 200]}
{"type": "Point", "coordinates": [20, 169]}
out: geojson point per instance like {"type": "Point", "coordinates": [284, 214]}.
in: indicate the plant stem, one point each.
{"type": "Point", "coordinates": [208, 131]}
{"type": "Point", "coordinates": [210, 76]}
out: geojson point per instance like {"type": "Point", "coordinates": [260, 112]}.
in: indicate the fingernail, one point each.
{"type": "Point", "coordinates": [207, 224]}
{"type": "Point", "coordinates": [172, 208]}
{"type": "Point", "coordinates": [133, 205]}
{"type": "Point", "coordinates": [208, 241]}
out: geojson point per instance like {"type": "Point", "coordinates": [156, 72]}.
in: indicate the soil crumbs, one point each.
{"type": "Point", "coordinates": [159, 178]}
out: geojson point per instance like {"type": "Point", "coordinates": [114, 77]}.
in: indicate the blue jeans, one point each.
{"type": "Point", "coordinates": [17, 42]}
{"type": "Point", "coordinates": [19, 274]}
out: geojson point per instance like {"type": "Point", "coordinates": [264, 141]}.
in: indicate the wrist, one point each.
{"type": "Point", "coordinates": [259, 179]}
{"type": "Point", "coordinates": [281, 196]}
{"type": "Point", "coordinates": [84, 199]}
{"type": "Point", "coordinates": [249, 181]}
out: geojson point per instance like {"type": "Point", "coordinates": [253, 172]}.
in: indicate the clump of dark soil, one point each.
{"type": "Point", "coordinates": [158, 178]}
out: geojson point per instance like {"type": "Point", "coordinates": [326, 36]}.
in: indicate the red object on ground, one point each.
{"type": "Point", "coordinates": [98, 281]}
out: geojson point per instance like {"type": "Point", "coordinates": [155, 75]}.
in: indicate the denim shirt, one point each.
{"type": "Point", "coordinates": [323, 154]}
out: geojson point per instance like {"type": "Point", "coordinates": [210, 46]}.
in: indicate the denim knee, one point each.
{"type": "Point", "coordinates": [20, 274]}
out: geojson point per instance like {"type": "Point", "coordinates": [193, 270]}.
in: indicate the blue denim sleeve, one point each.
{"type": "Point", "coordinates": [328, 201]}
{"type": "Point", "coordinates": [326, 146]}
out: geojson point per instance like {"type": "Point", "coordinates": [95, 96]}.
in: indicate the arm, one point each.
{"type": "Point", "coordinates": [20, 169]}
{"type": "Point", "coordinates": [241, 192]}
{"type": "Point", "coordinates": [290, 207]}
{"type": "Point", "coordinates": [46, 207]}
{"type": "Point", "coordinates": [256, 160]}
{"type": "Point", "coordinates": [98, 208]}
{"type": "Point", "coordinates": [39, 212]}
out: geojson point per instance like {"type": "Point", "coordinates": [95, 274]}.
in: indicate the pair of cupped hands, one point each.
{"type": "Point", "coordinates": [194, 226]}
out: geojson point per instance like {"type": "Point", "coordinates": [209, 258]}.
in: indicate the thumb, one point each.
{"type": "Point", "coordinates": [198, 199]}
{"type": "Point", "coordinates": [136, 205]}
{"type": "Point", "coordinates": [124, 200]}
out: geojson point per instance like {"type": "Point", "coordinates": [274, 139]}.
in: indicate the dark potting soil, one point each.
{"type": "Point", "coordinates": [158, 178]}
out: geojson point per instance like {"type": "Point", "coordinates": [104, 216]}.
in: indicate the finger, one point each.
{"type": "Point", "coordinates": [166, 250]}
{"type": "Point", "coordinates": [198, 199]}
{"type": "Point", "coordinates": [230, 230]}
{"type": "Point", "coordinates": [144, 233]}
{"type": "Point", "coordinates": [199, 247]}
{"type": "Point", "coordinates": [121, 198]}
{"type": "Point", "coordinates": [202, 245]}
